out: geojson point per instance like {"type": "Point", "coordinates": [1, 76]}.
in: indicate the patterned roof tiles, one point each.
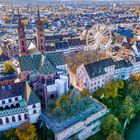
{"type": "Point", "coordinates": [42, 63]}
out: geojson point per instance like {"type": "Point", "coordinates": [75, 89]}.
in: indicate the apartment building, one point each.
{"type": "Point", "coordinates": [95, 75]}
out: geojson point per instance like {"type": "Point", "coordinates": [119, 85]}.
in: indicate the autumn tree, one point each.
{"type": "Point", "coordinates": [26, 131]}
{"type": "Point", "coordinates": [85, 92]}
{"type": "Point", "coordinates": [10, 134]}
{"type": "Point", "coordinates": [115, 136]}
{"type": "Point", "coordinates": [110, 124]}
{"type": "Point", "coordinates": [8, 67]}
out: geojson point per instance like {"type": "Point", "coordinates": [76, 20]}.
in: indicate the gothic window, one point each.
{"type": "Point", "coordinates": [41, 40]}
{"type": "Point", "coordinates": [13, 119]}
{"type": "Point", "coordinates": [22, 43]}
{"type": "Point", "coordinates": [23, 49]}
{"type": "Point", "coordinates": [25, 116]}
{"type": "Point", "coordinates": [34, 112]}
{"type": "Point", "coordinates": [19, 117]}
{"type": "Point", "coordinates": [7, 120]}
{"type": "Point", "coordinates": [1, 122]}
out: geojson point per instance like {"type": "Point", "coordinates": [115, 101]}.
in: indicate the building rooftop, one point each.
{"type": "Point", "coordinates": [12, 90]}
{"type": "Point", "coordinates": [42, 63]}
{"type": "Point", "coordinates": [58, 125]}
{"type": "Point", "coordinates": [122, 63]}
{"type": "Point", "coordinates": [97, 68]}
{"type": "Point", "coordinates": [13, 111]}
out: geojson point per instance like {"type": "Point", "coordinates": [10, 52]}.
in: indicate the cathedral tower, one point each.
{"type": "Point", "coordinates": [40, 34]}
{"type": "Point", "coordinates": [21, 37]}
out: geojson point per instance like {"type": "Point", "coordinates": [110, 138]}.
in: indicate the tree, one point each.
{"type": "Point", "coordinates": [86, 92]}
{"type": "Point", "coordinates": [11, 135]}
{"type": "Point", "coordinates": [8, 67]}
{"type": "Point", "coordinates": [127, 109]}
{"type": "Point", "coordinates": [50, 134]}
{"type": "Point", "coordinates": [110, 124]}
{"type": "Point", "coordinates": [115, 136]}
{"type": "Point", "coordinates": [26, 131]}
{"type": "Point", "coordinates": [110, 90]}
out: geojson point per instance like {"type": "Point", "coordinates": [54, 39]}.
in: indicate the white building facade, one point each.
{"type": "Point", "coordinates": [17, 107]}
{"type": "Point", "coordinates": [95, 75]}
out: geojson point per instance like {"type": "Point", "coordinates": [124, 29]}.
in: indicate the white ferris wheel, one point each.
{"type": "Point", "coordinates": [99, 37]}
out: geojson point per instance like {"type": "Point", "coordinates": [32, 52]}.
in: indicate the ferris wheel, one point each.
{"type": "Point", "coordinates": [99, 37]}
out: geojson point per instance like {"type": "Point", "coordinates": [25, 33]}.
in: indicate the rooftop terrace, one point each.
{"type": "Point", "coordinates": [73, 113]}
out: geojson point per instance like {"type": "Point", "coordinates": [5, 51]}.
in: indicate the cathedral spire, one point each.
{"type": "Point", "coordinates": [40, 33]}
{"type": "Point", "coordinates": [21, 37]}
{"type": "Point", "coordinates": [38, 13]}
{"type": "Point", "coordinates": [19, 19]}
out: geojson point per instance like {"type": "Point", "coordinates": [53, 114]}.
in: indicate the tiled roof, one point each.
{"type": "Point", "coordinates": [55, 58]}
{"type": "Point", "coordinates": [122, 64]}
{"type": "Point", "coordinates": [10, 112]}
{"type": "Point", "coordinates": [30, 62]}
{"type": "Point", "coordinates": [124, 32]}
{"type": "Point", "coordinates": [9, 91]}
{"type": "Point", "coordinates": [97, 68]}
{"type": "Point", "coordinates": [42, 63]}
{"type": "Point", "coordinates": [30, 96]}
{"type": "Point", "coordinates": [33, 99]}
{"type": "Point", "coordinates": [61, 45]}
{"type": "Point", "coordinates": [47, 68]}
{"type": "Point", "coordinates": [75, 42]}
{"type": "Point", "coordinates": [3, 57]}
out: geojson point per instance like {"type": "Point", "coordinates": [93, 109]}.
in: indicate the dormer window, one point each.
{"type": "Point", "coordinates": [9, 87]}
{"type": "Point", "coordinates": [3, 102]}
{"type": "Point", "coordinates": [10, 100]}
{"type": "Point", "coordinates": [3, 88]}
{"type": "Point", "coordinates": [16, 99]}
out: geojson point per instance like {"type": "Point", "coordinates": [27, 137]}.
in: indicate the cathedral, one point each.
{"type": "Point", "coordinates": [22, 41]}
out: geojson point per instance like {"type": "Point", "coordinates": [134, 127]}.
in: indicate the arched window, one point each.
{"type": "Point", "coordinates": [25, 116]}
{"type": "Point", "coordinates": [16, 99]}
{"type": "Point", "coordinates": [23, 49]}
{"type": "Point", "coordinates": [52, 96]}
{"type": "Point", "coordinates": [22, 43]}
{"type": "Point", "coordinates": [34, 112]}
{"type": "Point", "coordinates": [1, 122]}
{"type": "Point", "coordinates": [7, 120]}
{"type": "Point", "coordinates": [34, 106]}
{"type": "Point", "coordinates": [10, 100]}
{"type": "Point", "coordinates": [19, 117]}
{"type": "Point", "coordinates": [13, 119]}
{"type": "Point", "coordinates": [41, 40]}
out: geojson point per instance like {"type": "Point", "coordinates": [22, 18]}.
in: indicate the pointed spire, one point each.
{"type": "Point", "coordinates": [19, 19]}
{"type": "Point", "coordinates": [38, 13]}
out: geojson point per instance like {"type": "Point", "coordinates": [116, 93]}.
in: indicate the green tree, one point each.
{"type": "Point", "coordinates": [110, 90]}
{"type": "Point", "coordinates": [115, 136]}
{"type": "Point", "coordinates": [110, 124]}
{"type": "Point", "coordinates": [50, 134]}
{"type": "Point", "coordinates": [26, 131]}
{"type": "Point", "coordinates": [8, 67]}
{"type": "Point", "coordinates": [127, 109]}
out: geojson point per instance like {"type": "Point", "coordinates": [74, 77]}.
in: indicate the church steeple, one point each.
{"type": "Point", "coordinates": [40, 33]}
{"type": "Point", "coordinates": [21, 37]}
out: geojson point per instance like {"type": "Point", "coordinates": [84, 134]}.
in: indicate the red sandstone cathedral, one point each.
{"type": "Point", "coordinates": [22, 36]}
